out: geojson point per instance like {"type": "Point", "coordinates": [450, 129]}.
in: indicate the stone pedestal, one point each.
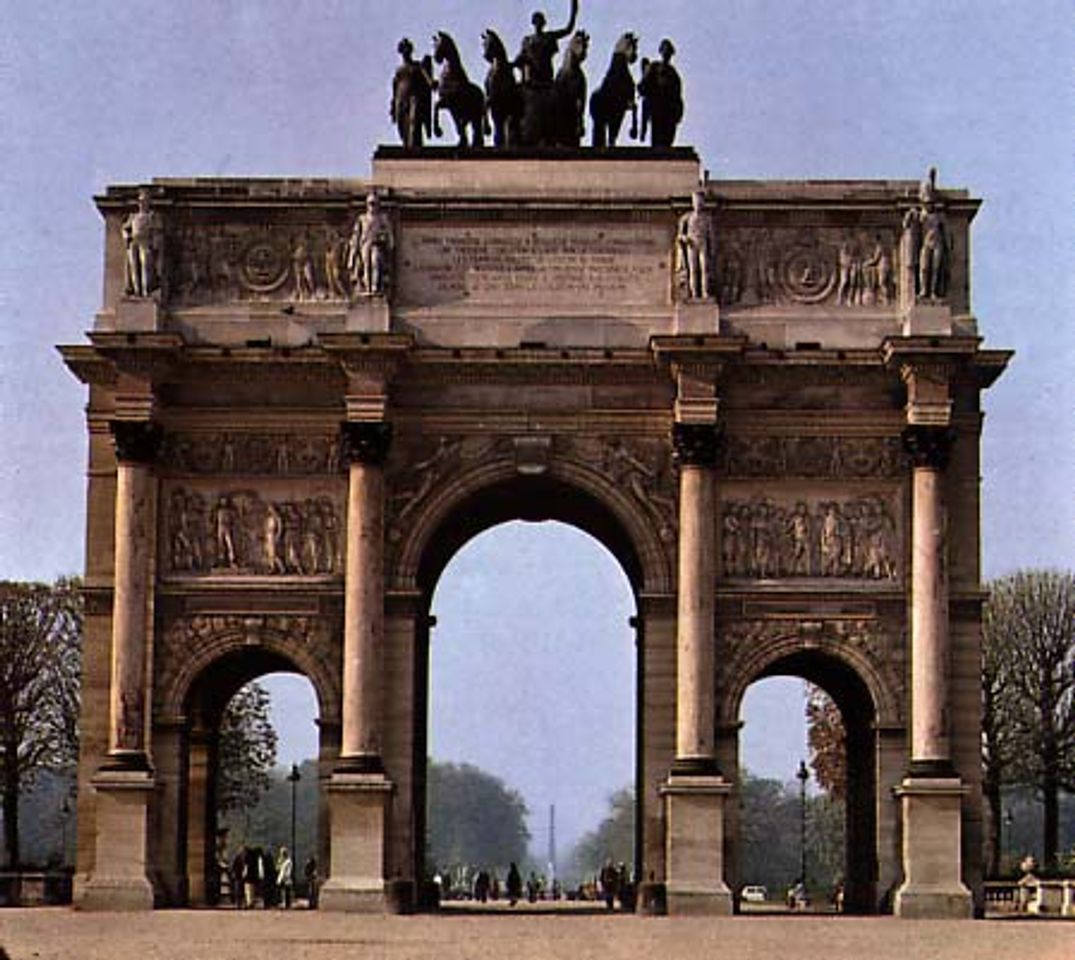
{"type": "Point", "coordinates": [120, 880]}
{"type": "Point", "coordinates": [368, 315]}
{"type": "Point", "coordinates": [358, 814]}
{"type": "Point", "coordinates": [932, 886]}
{"type": "Point", "coordinates": [928, 320]}
{"type": "Point", "coordinates": [694, 844]}
{"type": "Point", "coordinates": [138, 315]}
{"type": "Point", "coordinates": [697, 317]}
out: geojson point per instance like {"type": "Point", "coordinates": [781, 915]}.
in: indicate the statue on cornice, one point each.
{"type": "Point", "coordinates": [142, 237]}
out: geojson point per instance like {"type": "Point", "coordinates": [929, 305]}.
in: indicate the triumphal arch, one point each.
{"type": "Point", "coordinates": [306, 395]}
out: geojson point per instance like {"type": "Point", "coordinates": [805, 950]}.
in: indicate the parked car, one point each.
{"type": "Point", "coordinates": [755, 893]}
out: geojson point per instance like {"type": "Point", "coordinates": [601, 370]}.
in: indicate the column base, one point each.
{"type": "Point", "coordinates": [694, 845]}
{"type": "Point", "coordinates": [358, 814]}
{"type": "Point", "coordinates": [932, 862]}
{"type": "Point", "coordinates": [119, 880]}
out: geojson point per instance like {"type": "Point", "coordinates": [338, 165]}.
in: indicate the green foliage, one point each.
{"type": "Point", "coordinates": [247, 750]}
{"type": "Point", "coordinates": [473, 819]}
{"type": "Point", "coordinates": [268, 822]}
{"type": "Point", "coordinates": [40, 668]}
{"type": "Point", "coordinates": [614, 839]}
{"type": "Point", "coordinates": [770, 829]}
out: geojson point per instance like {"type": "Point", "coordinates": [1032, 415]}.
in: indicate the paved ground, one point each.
{"type": "Point", "coordinates": [62, 934]}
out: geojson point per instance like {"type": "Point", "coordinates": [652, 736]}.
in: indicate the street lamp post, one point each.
{"type": "Point", "coordinates": [803, 775]}
{"type": "Point", "coordinates": [293, 778]}
{"type": "Point", "coordinates": [1009, 820]}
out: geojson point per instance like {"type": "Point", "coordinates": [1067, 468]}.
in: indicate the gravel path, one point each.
{"type": "Point", "coordinates": [63, 934]}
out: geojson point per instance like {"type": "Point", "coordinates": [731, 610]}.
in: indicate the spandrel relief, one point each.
{"type": "Point", "coordinates": [851, 538]}
{"type": "Point", "coordinates": [807, 266]}
{"type": "Point", "coordinates": [227, 532]}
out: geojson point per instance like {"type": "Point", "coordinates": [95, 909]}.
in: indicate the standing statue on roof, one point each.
{"type": "Point", "coordinates": [411, 108]}
{"type": "Point", "coordinates": [535, 66]}
{"type": "Point", "coordinates": [661, 91]}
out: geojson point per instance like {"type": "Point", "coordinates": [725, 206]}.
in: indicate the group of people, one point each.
{"type": "Point", "coordinates": [255, 876]}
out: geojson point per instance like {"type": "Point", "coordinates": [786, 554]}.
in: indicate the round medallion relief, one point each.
{"type": "Point", "coordinates": [264, 266]}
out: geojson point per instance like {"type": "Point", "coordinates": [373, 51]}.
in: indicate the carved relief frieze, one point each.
{"type": "Point", "coordinates": [244, 532]}
{"type": "Point", "coordinates": [856, 538]}
{"type": "Point", "coordinates": [258, 454]}
{"type": "Point", "coordinates": [811, 265]}
{"type": "Point", "coordinates": [879, 645]}
{"type": "Point", "coordinates": [218, 263]}
{"type": "Point", "coordinates": [823, 457]}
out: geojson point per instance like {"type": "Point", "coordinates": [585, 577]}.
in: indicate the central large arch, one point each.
{"type": "Point", "coordinates": [497, 493]}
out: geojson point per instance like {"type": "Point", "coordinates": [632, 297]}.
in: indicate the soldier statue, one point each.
{"type": "Point", "coordinates": [142, 235]}
{"type": "Point", "coordinates": [696, 245]}
{"type": "Point", "coordinates": [411, 108]}
{"type": "Point", "coordinates": [369, 254]}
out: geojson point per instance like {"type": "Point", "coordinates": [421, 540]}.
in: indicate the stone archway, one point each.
{"type": "Point", "coordinates": [203, 661]}
{"type": "Point", "coordinates": [859, 664]}
{"type": "Point", "coordinates": [469, 501]}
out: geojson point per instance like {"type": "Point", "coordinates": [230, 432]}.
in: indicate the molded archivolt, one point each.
{"type": "Point", "coordinates": [249, 646]}
{"type": "Point", "coordinates": [479, 498]}
{"type": "Point", "coordinates": [836, 663]}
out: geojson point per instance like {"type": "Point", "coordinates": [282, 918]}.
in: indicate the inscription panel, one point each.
{"type": "Point", "coordinates": [562, 265]}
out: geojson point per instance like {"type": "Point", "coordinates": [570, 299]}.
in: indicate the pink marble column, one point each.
{"type": "Point", "coordinates": [365, 446]}
{"type": "Point", "coordinates": [695, 448]}
{"type": "Point", "coordinates": [136, 446]}
{"type": "Point", "coordinates": [930, 744]}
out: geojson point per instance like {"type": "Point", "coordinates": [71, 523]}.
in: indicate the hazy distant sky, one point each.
{"type": "Point", "coordinates": [104, 92]}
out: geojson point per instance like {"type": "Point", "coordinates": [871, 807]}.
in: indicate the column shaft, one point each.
{"type": "Point", "coordinates": [136, 444]}
{"type": "Point", "coordinates": [929, 621]}
{"type": "Point", "coordinates": [363, 613]}
{"type": "Point", "coordinates": [696, 607]}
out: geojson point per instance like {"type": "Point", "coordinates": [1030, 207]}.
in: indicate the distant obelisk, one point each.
{"type": "Point", "coordinates": [552, 842]}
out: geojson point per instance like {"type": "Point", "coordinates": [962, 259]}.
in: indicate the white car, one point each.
{"type": "Point", "coordinates": [755, 894]}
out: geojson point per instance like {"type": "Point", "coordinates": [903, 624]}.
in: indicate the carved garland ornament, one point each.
{"type": "Point", "coordinates": [823, 457]}
{"type": "Point", "coordinates": [260, 454]}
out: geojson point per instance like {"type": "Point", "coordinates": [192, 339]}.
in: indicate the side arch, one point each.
{"type": "Point", "coordinates": [250, 647]}
{"type": "Point", "coordinates": [856, 648]}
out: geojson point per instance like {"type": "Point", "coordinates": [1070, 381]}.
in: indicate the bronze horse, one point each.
{"type": "Point", "coordinates": [503, 98]}
{"type": "Point", "coordinates": [616, 95]}
{"type": "Point", "coordinates": [464, 100]}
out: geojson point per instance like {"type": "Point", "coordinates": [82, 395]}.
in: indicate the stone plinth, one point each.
{"type": "Point", "coordinates": [694, 844]}
{"type": "Point", "coordinates": [697, 317]}
{"type": "Point", "coordinates": [138, 315]}
{"type": "Point", "coordinates": [368, 315]}
{"type": "Point", "coordinates": [119, 880]}
{"type": "Point", "coordinates": [358, 812]}
{"type": "Point", "coordinates": [932, 865]}
{"type": "Point", "coordinates": [626, 171]}
{"type": "Point", "coordinates": [928, 320]}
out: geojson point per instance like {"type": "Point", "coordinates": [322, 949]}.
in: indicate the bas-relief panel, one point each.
{"type": "Point", "coordinates": [215, 528]}
{"type": "Point", "coordinates": [562, 265]}
{"type": "Point", "coordinates": [804, 534]}
{"type": "Point", "coordinates": [807, 266]}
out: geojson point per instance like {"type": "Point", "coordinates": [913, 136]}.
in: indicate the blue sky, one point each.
{"type": "Point", "coordinates": [92, 94]}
